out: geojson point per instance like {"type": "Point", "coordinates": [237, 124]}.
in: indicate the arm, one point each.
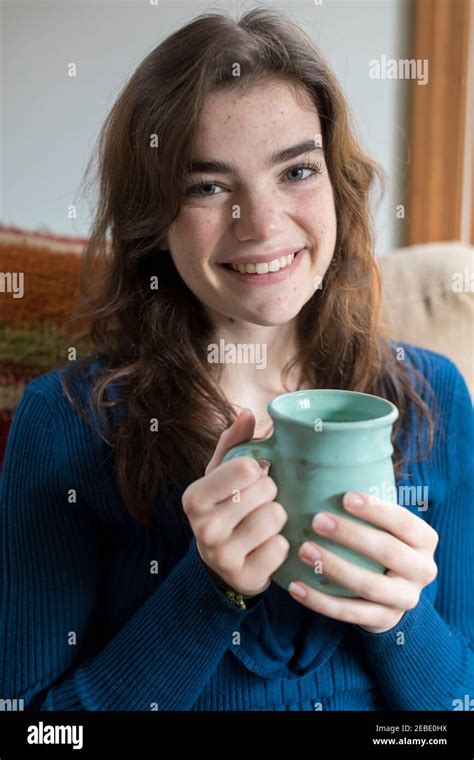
{"type": "Point", "coordinates": [51, 573]}
{"type": "Point", "coordinates": [432, 667]}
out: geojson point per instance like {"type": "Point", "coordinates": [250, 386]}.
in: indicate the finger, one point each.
{"type": "Point", "coordinates": [392, 591]}
{"type": "Point", "coordinates": [356, 611]}
{"type": "Point", "coordinates": [267, 557]}
{"type": "Point", "coordinates": [226, 515]}
{"type": "Point", "coordinates": [399, 521]}
{"type": "Point", "coordinates": [376, 544]}
{"type": "Point", "coordinates": [241, 430]}
{"type": "Point", "coordinates": [261, 524]}
{"type": "Point", "coordinates": [267, 430]}
{"type": "Point", "coordinates": [219, 484]}
{"type": "Point", "coordinates": [244, 501]}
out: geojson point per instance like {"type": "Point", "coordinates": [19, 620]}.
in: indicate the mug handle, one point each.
{"type": "Point", "coordinates": [255, 449]}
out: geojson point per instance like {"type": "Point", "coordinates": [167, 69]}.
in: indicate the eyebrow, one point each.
{"type": "Point", "coordinates": [278, 157]}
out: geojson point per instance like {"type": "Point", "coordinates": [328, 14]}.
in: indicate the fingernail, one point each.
{"type": "Point", "coordinates": [264, 464]}
{"type": "Point", "coordinates": [297, 590]}
{"type": "Point", "coordinates": [353, 500]}
{"type": "Point", "coordinates": [310, 551]}
{"type": "Point", "coordinates": [323, 523]}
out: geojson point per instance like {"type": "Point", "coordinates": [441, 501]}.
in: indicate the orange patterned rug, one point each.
{"type": "Point", "coordinates": [38, 288]}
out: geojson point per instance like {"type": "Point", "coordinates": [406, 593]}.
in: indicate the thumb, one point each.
{"type": "Point", "coordinates": [241, 430]}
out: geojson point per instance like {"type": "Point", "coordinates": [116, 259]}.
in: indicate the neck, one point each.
{"type": "Point", "coordinates": [249, 356]}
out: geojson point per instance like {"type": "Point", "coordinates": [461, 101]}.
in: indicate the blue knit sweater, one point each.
{"type": "Point", "coordinates": [99, 614]}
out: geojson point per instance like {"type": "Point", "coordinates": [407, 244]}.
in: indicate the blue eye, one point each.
{"type": "Point", "coordinates": [301, 169]}
{"type": "Point", "coordinates": [199, 189]}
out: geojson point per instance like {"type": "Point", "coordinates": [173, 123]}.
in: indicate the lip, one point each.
{"type": "Point", "coordinates": [249, 259]}
{"type": "Point", "coordinates": [271, 277]}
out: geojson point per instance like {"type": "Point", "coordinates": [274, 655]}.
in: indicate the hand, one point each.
{"type": "Point", "coordinates": [238, 539]}
{"type": "Point", "coordinates": [407, 552]}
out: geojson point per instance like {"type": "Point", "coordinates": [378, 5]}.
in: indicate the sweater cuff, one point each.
{"type": "Point", "coordinates": [195, 557]}
{"type": "Point", "coordinates": [419, 663]}
{"type": "Point", "coordinates": [250, 601]}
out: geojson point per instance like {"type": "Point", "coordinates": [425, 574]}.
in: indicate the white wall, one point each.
{"type": "Point", "coordinates": [50, 120]}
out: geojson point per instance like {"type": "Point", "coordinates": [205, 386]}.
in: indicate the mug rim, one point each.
{"type": "Point", "coordinates": [390, 417]}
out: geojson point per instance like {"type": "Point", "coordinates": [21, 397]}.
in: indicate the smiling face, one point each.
{"type": "Point", "coordinates": [257, 208]}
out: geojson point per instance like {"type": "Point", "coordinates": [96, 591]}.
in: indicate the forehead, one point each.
{"type": "Point", "coordinates": [262, 111]}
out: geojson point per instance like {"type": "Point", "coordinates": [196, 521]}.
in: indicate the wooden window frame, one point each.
{"type": "Point", "coordinates": [440, 195]}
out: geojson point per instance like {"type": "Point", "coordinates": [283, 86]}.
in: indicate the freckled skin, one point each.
{"type": "Point", "coordinates": [276, 211]}
{"type": "Point", "coordinates": [275, 208]}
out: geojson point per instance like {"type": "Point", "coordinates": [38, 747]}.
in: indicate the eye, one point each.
{"type": "Point", "coordinates": [200, 189]}
{"type": "Point", "coordinates": [307, 166]}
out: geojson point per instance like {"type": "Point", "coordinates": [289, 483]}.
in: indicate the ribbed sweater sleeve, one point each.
{"type": "Point", "coordinates": [51, 580]}
{"type": "Point", "coordinates": [431, 667]}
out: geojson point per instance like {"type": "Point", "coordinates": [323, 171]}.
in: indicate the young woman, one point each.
{"type": "Point", "coordinates": [131, 578]}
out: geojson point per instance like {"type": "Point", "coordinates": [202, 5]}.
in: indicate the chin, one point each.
{"type": "Point", "coordinates": [272, 319]}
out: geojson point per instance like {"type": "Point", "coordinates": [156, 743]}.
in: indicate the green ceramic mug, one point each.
{"type": "Point", "coordinates": [324, 443]}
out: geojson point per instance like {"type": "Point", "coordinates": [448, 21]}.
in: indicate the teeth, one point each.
{"type": "Point", "coordinates": [269, 266]}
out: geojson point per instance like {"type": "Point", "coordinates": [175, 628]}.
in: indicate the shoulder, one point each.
{"type": "Point", "coordinates": [48, 415]}
{"type": "Point", "coordinates": [444, 390]}
{"type": "Point", "coordinates": [50, 385]}
{"type": "Point", "coordinates": [66, 392]}
{"type": "Point", "coordinates": [442, 375]}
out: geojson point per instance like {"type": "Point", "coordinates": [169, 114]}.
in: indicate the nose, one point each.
{"type": "Point", "coordinates": [259, 215]}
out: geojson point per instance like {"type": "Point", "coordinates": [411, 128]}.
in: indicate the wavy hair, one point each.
{"type": "Point", "coordinates": [153, 343]}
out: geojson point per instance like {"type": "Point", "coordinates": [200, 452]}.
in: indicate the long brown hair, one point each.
{"type": "Point", "coordinates": [153, 343]}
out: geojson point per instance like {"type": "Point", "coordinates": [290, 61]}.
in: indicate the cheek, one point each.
{"type": "Point", "coordinates": [317, 212]}
{"type": "Point", "coordinates": [327, 224]}
{"type": "Point", "coordinates": [318, 217]}
{"type": "Point", "coordinates": [195, 236]}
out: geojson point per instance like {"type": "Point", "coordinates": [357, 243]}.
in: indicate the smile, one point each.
{"type": "Point", "coordinates": [265, 267]}
{"type": "Point", "coordinates": [265, 273]}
